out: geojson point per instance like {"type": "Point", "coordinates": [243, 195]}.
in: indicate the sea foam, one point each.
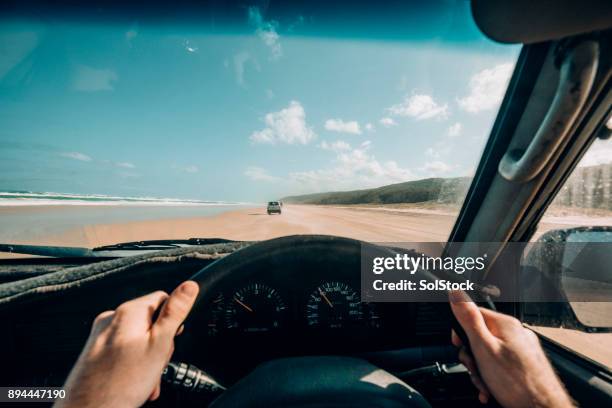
{"type": "Point", "coordinates": [26, 198]}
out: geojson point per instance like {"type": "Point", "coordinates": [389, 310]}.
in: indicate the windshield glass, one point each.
{"type": "Point", "coordinates": [122, 128]}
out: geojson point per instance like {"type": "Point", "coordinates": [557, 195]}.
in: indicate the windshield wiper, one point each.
{"type": "Point", "coordinates": [43, 250]}
{"type": "Point", "coordinates": [161, 244]}
{"type": "Point", "coordinates": [108, 251]}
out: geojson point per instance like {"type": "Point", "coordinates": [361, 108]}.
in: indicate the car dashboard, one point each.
{"type": "Point", "coordinates": [283, 310]}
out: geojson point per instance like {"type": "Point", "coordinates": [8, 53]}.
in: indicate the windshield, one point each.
{"type": "Point", "coordinates": [361, 124]}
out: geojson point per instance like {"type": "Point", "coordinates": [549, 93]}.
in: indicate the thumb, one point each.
{"type": "Point", "coordinates": [177, 307]}
{"type": "Point", "coordinates": [469, 317]}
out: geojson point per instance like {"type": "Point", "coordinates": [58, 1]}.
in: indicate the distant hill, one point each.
{"type": "Point", "coordinates": [442, 190]}
{"type": "Point", "coordinates": [588, 187]}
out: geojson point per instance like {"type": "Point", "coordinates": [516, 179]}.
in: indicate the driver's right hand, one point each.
{"type": "Point", "coordinates": [506, 358]}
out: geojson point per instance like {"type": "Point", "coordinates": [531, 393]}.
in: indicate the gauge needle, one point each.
{"type": "Point", "coordinates": [243, 305]}
{"type": "Point", "coordinates": [326, 298]}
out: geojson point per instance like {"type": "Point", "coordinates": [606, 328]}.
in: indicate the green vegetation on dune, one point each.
{"type": "Point", "coordinates": [442, 190]}
{"type": "Point", "coordinates": [588, 188]}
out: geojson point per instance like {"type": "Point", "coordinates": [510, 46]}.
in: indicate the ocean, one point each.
{"type": "Point", "coordinates": [26, 216]}
{"type": "Point", "coordinates": [16, 198]}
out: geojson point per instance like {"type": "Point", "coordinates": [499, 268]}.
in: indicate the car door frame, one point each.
{"type": "Point", "coordinates": [587, 381]}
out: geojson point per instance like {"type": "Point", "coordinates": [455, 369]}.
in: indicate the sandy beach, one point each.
{"type": "Point", "coordinates": [86, 229]}
{"type": "Point", "coordinates": [255, 224]}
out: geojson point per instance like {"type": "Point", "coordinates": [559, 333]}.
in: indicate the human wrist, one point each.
{"type": "Point", "coordinates": [552, 396]}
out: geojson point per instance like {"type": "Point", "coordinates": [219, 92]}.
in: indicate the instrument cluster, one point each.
{"type": "Point", "coordinates": [259, 308]}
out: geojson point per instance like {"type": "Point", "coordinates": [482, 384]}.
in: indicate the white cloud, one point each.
{"type": "Point", "coordinates": [337, 146]}
{"type": "Point", "coordinates": [436, 167]}
{"type": "Point", "coordinates": [125, 165]}
{"type": "Point", "coordinates": [369, 127]}
{"type": "Point", "coordinates": [285, 126]}
{"type": "Point", "coordinates": [240, 59]}
{"type": "Point", "coordinates": [190, 47]}
{"type": "Point", "coordinates": [259, 174]}
{"type": "Point", "coordinates": [441, 149]}
{"type": "Point", "coordinates": [354, 168]}
{"type": "Point", "coordinates": [486, 89]}
{"type": "Point", "coordinates": [338, 125]}
{"type": "Point", "coordinates": [76, 156]}
{"type": "Point", "coordinates": [420, 107]}
{"type": "Point", "coordinates": [433, 153]}
{"type": "Point", "coordinates": [88, 79]}
{"type": "Point", "coordinates": [455, 129]}
{"type": "Point", "coordinates": [387, 122]}
{"type": "Point", "coordinates": [270, 38]}
{"type": "Point", "coordinates": [445, 146]}
{"type": "Point", "coordinates": [266, 31]}
{"type": "Point", "coordinates": [600, 152]}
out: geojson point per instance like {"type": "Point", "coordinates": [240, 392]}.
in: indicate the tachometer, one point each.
{"type": "Point", "coordinates": [255, 308]}
{"type": "Point", "coordinates": [333, 305]}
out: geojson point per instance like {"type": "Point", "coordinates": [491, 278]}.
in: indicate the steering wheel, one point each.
{"type": "Point", "coordinates": [332, 381]}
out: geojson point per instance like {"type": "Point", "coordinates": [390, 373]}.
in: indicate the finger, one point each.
{"type": "Point", "coordinates": [467, 360]}
{"type": "Point", "coordinates": [136, 316]}
{"type": "Point", "coordinates": [483, 397]}
{"type": "Point", "coordinates": [469, 317]}
{"type": "Point", "coordinates": [102, 320]}
{"type": "Point", "coordinates": [500, 325]}
{"type": "Point", "coordinates": [455, 339]}
{"type": "Point", "coordinates": [469, 363]}
{"type": "Point", "coordinates": [104, 315]}
{"type": "Point", "coordinates": [176, 308]}
{"type": "Point", "coordinates": [156, 392]}
{"type": "Point", "coordinates": [483, 391]}
{"type": "Point", "coordinates": [479, 384]}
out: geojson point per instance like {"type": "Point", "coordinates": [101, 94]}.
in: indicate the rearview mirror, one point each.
{"type": "Point", "coordinates": [567, 280]}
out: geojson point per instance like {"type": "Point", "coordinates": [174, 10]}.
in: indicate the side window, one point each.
{"type": "Point", "coordinates": [586, 198]}
{"type": "Point", "coordinates": [582, 212]}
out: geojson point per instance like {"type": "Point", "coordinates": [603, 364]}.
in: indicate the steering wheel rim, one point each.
{"type": "Point", "coordinates": [254, 389]}
{"type": "Point", "coordinates": [325, 246]}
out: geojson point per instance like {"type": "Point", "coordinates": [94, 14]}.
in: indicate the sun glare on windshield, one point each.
{"type": "Point", "coordinates": [273, 125]}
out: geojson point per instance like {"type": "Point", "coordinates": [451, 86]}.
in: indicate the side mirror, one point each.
{"type": "Point", "coordinates": [566, 280]}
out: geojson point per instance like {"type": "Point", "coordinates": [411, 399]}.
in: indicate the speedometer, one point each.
{"type": "Point", "coordinates": [256, 308]}
{"type": "Point", "coordinates": [333, 305]}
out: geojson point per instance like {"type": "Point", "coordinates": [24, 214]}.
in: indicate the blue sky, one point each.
{"type": "Point", "coordinates": [248, 115]}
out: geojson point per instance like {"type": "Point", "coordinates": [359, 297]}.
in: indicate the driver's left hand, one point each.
{"type": "Point", "coordinates": [127, 350]}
